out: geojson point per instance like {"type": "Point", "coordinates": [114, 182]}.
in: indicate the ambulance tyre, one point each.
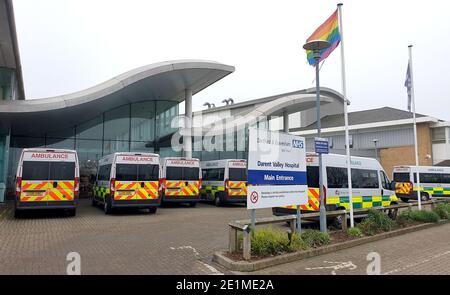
{"type": "Point", "coordinates": [72, 212]}
{"type": "Point", "coordinates": [424, 197]}
{"type": "Point", "coordinates": [404, 200]}
{"type": "Point", "coordinates": [94, 202]}
{"type": "Point", "coordinates": [192, 204]}
{"type": "Point", "coordinates": [338, 220]}
{"type": "Point", "coordinates": [17, 213]}
{"type": "Point", "coordinates": [217, 200]}
{"type": "Point", "coordinates": [152, 210]}
{"type": "Point", "coordinates": [107, 205]}
{"type": "Point", "coordinates": [392, 213]}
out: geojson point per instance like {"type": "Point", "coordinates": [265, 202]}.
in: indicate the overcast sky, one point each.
{"type": "Point", "coordinates": [70, 45]}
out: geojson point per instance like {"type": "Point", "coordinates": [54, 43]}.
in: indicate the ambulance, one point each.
{"type": "Point", "coordinates": [47, 179]}
{"type": "Point", "coordinates": [370, 185]}
{"type": "Point", "coordinates": [127, 180]}
{"type": "Point", "coordinates": [181, 180]}
{"type": "Point", "coordinates": [224, 181]}
{"type": "Point", "coordinates": [434, 182]}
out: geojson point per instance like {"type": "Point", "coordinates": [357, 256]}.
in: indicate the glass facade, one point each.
{"type": "Point", "coordinates": [135, 127]}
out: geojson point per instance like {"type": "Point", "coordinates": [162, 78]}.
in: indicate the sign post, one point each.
{"type": "Point", "coordinates": [276, 171]}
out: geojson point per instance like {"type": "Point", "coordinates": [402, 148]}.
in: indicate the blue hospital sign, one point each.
{"type": "Point", "coordinates": [276, 169]}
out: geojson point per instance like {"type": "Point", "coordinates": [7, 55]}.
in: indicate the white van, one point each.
{"type": "Point", "coordinates": [434, 182]}
{"type": "Point", "coordinates": [47, 179]}
{"type": "Point", "coordinates": [181, 180]}
{"type": "Point", "coordinates": [128, 180]}
{"type": "Point", "coordinates": [224, 181]}
{"type": "Point", "coordinates": [370, 185]}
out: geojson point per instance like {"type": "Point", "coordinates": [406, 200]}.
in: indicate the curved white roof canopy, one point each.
{"type": "Point", "coordinates": [161, 81]}
{"type": "Point", "coordinates": [273, 106]}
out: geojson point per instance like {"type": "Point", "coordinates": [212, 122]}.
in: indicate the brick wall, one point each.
{"type": "Point", "coordinates": [404, 155]}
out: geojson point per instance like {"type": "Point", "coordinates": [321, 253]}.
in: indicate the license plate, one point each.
{"type": "Point", "coordinates": [34, 194]}
{"type": "Point", "coordinates": [172, 189]}
{"type": "Point", "coordinates": [123, 193]}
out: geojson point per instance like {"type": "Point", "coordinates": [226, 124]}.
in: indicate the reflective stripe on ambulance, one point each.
{"type": "Point", "coordinates": [237, 188]}
{"type": "Point", "coordinates": [133, 190]}
{"type": "Point", "coordinates": [43, 191]}
{"type": "Point", "coordinates": [182, 188]}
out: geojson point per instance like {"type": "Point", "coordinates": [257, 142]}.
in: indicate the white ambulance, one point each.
{"type": "Point", "coordinates": [127, 180]}
{"type": "Point", "coordinates": [224, 181]}
{"type": "Point", "coordinates": [47, 179]}
{"type": "Point", "coordinates": [434, 182]}
{"type": "Point", "coordinates": [370, 185]}
{"type": "Point", "coordinates": [181, 180]}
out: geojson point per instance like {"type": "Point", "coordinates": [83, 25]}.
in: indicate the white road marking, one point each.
{"type": "Point", "coordinates": [417, 263]}
{"type": "Point", "coordinates": [338, 265]}
{"type": "Point", "coordinates": [213, 270]}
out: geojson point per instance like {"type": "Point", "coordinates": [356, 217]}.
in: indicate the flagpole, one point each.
{"type": "Point", "coordinates": [347, 137]}
{"type": "Point", "coordinates": [413, 102]}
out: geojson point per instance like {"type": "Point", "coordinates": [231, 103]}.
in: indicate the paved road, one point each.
{"type": "Point", "coordinates": [178, 240]}
{"type": "Point", "coordinates": [181, 240]}
{"type": "Point", "coordinates": [422, 252]}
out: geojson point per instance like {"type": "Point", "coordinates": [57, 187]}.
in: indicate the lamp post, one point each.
{"type": "Point", "coordinates": [316, 46]}
{"type": "Point", "coordinates": [375, 141]}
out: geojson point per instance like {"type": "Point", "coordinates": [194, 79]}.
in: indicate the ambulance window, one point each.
{"type": "Point", "coordinates": [401, 177]}
{"type": "Point", "coordinates": [312, 176]}
{"type": "Point", "coordinates": [212, 174]}
{"type": "Point", "coordinates": [191, 173]}
{"type": "Point", "coordinates": [205, 174]}
{"type": "Point", "coordinates": [148, 172]}
{"type": "Point", "coordinates": [365, 178]}
{"type": "Point", "coordinates": [35, 170]}
{"type": "Point", "coordinates": [221, 175]}
{"type": "Point", "coordinates": [174, 173]}
{"type": "Point", "coordinates": [430, 178]}
{"type": "Point", "coordinates": [384, 180]}
{"type": "Point", "coordinates": [104, 172]}
{"type": "Point", "coordinates": [126, 172]}
{"type": "Point", "coordinates": [62, 171]}
{"type": "Point", "coordinates": [337, 177]}
{"type": "Point", "coordinates": [445, 178]}
{"type": "Point", "coordinates": [237, 174]}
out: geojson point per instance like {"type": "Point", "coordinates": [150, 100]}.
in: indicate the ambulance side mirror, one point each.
{"type": "Point", "coordinates": [392, 185]}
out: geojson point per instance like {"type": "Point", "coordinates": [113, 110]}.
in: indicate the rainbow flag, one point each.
{"type": "Point", "coordinates": [328, 31]}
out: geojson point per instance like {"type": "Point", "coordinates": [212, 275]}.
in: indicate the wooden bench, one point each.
{"type": "Point", "coordinates": [244, 226]}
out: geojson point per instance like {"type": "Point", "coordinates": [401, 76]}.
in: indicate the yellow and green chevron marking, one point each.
{"type": "Point", "coordinates": [434, 190]}
{"type": "Point", "coordinates": [212, 189]}
{"type": "Point", "coordinates": [361, 201]}
{"type": "Point", "coordinates": [101, 191]}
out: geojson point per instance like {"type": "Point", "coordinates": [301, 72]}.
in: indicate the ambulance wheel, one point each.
{"type": "Point", "coordinates": [404, 200]}
{"type": "Point", "coordinates": [338, 220]}
{"type": "Point", "coordinates": [72, 212]}
{"type": "Point", "coordinates": [392, 213]}
{"type": "Point", "coordinates": [17, 213]}
{"type": "Point", "coordinates": [152, 210]}
{"type": "Point", "coordinates": [94, 202]}
{"type": "Point", "coordinates": [192, 204]}
{"type": "Point", "coordinates": [107, 206]}
{"type": "Point", "coordinates": [217, 201]}
{"type": "Point", "coordinates": [424, 197]}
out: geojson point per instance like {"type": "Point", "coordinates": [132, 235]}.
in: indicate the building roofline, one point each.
{"type": "Point", "coordinates": [13, 32]}
{"type": "Point", "coordinates": [424, 119]}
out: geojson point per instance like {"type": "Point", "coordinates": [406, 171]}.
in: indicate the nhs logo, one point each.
{"type": "Point", "coordinates": [296, 143]}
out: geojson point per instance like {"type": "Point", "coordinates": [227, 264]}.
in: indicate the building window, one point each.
{"type": "Point", "coordinates": [438, 134]}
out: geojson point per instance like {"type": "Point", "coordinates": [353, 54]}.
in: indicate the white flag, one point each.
{"type": "Point", "coordinates": [408, 87]}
